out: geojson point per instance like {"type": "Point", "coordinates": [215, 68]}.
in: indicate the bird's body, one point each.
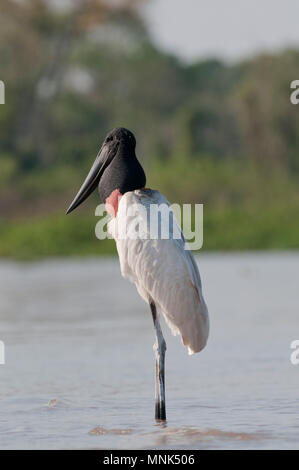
{"type": "Point", "coordinates": [163, 270]}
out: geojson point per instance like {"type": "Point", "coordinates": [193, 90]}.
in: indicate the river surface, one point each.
{"type": "Point", "coordinates": [79, 363]}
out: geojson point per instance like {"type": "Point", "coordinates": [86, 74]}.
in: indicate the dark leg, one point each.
{"type": "Point", "coordinates": [159, 348]}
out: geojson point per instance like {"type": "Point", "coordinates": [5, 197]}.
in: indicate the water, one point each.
{"type": "Point", "coordinates": [79, 370]}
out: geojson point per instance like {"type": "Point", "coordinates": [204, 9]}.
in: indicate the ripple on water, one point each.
{"type": "Point", "coordinates": [101, 431]}
{"type": "Point", "coordinates": [193, 436]}
{"type": "Point", "coordinates": [165, 436]}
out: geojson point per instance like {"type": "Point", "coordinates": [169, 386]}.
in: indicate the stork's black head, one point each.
{"type": "Point", "coordinates": [116, 167]}
{"type": "Point", "coordinates": [121, 136]}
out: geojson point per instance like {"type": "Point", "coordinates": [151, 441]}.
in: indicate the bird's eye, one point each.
{"type": "Point", "coordinates": [109, 139]}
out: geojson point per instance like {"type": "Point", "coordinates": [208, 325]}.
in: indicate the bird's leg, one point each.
{"type": "Point", "coordinates": [159, 348]}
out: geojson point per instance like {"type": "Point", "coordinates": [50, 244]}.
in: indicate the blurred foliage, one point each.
{"type": "Point", "coordinates": [224, 135]}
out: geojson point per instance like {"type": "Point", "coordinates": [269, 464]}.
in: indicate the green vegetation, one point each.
{"type": "Point", "coordinates": [243, 209]}
{"type": "Point", "coordinates": [54, 235]}
{"type": "Point", "coordinates": [223, 135]}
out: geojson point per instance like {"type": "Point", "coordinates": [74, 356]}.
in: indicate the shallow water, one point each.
{"type": "Point", "coordinates": [79, 369]}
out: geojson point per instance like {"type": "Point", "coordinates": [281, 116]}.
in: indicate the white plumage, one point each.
{"type": "Point", "coordinates": [162, 269]}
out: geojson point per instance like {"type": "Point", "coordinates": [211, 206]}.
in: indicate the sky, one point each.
{"type": "Point", "coordinates": [229, 29]}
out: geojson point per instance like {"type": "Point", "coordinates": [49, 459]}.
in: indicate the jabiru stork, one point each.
{"type": "Point", "coordinates": [163, 270]}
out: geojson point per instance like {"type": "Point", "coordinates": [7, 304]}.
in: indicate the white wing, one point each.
{"type": "Point", "coordinates": [161, 268]}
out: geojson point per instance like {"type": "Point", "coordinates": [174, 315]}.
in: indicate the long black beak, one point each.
{"type": "Point", "coordinates": [103, 159]}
